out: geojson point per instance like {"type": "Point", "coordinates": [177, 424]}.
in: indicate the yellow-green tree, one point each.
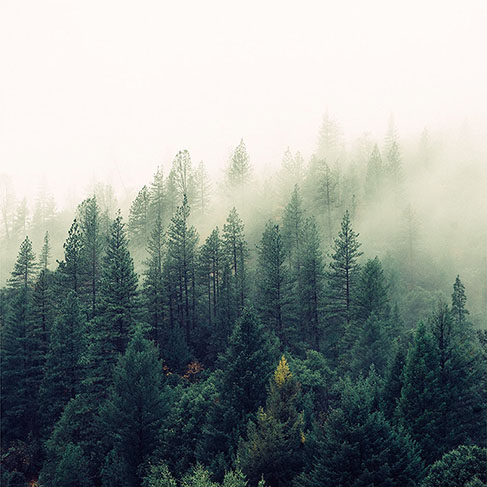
{"type": "Point", "coordinates": [273, 448]}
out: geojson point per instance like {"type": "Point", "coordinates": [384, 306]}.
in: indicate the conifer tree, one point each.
{"type": "Point", "coordinates": [245, 368]}
{"type": "Point", "coordinates": [374, 176]}
{"type": "Point", "coordinates": [72, 468]}
{"type": "Point", "coordinates": [45, 253]}
{"type": "Point", "coordinates": [202, 188]}
{"type": "Point", "coordinates": [70, 268]}
{"type": "Point", "coordinates": [93, 247]}
{"type": "Point", "coordinates": [342, 278]}
{"type": "Point", "coordinates": [63, 371]}
{"type": "Point", "coordinates": [21, 369]}
{"type": "Point", "coordinates": [157, 198]}
{"type": "Point", "coordinates": [134, 411]}
{"type": "Point", "coordinates": [182, 240]}
{"type": "Point", "coordinates": [183, 178]}
{"type": "Point", "coordinates": [275, 297]}
{"type": "Point", "coordinates": [153, 289]}
{"type": "Point", "coordinates": [311, 290]}
{"type": "Point", "coordinates": [458, 302]}
{"type": "Point", "coordinates": [371, 295]}
{"type": "Point", "coordinates": [25, 267]}
{"type": "Point", "coordinates": [236, 250]}
{"type": "Point", "coordinates": [118, 291]}
{"type": "Point", "coordinates": [292, 232]}
{"type": "Point", "coordinates": [393, 383]}
{"type": "Point", "coordinates": [273, 449]}
{"type": "Point", "coordinates": [139, 223]}
{"type": "Point", "coordinates": [357, 446]}
{"type": "Point", "coordinates": [239, 170]}
{"type": "Point", "coordinates": [423, 402]}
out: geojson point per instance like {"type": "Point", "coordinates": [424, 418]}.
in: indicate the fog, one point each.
{"type": "Point", "coordinates": [104, 92]}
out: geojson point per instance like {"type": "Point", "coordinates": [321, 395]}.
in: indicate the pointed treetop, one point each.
{"type": "Point", "coordinates": [282, 373]}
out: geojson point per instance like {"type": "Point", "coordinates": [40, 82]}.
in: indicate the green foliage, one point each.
{"type": "Point", "coordinates": [462, 467]}
{"type": "Point", "coordinates": [72, 469]}
{"type": "Point", "coordinates": [159, 476]}
{"type": "Point", "coordinates": [134, 412]}
{"type": "Point", "coordinates": [274, 441]}
{"type": "Point", "coordinates": [357, 446]}
{"type": "Point", "coordinates": [275, 295]}
{"type": "Point", "coordinates": [25, 267]}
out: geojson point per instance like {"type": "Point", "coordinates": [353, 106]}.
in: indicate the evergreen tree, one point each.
{"type": "Point", "coordinates": [157, 198]}
{"type": "Point", "coordinates": [153, 290]}
{"type": "Point", "coordinates": [20, 369]}
{"type": "Point", "coordinates": [423, 402]}
{"type": "Point", "coordinates": [63, 372]}
{"type": "Point", "coordinates": [182, 240]}
{"type": "Point", "coordinates": [292, 232]}
{"type": "Point", "coordinates": [241, 388]}
{"type": "Point", "coordinates": [139, 223]}
{"type": "Point", "coordinates": [45, 253]}
{"type": "Point", "coordinates": [342, 278]}
{"type": "Point", "coordinates": [93, 246]}
{"type": "Point", "coordinates": [72, 468]}
{"type": "Point", "coordinates": [133, 413]}
{"type": "Point", "coordinates": [371, 294]}
{"type": "Point", "coordinates": [374, 176]}
{"type": "Point", "coordinates": [458, 302]}
{"type": "Point", "coordinates": [202, 188]}
{"type": "Point", "coordinates": [183, 178]}
{"type": "Point", "coordinates": [118, 291]}
{"type": "Point", "coordinates": [393, 384]}
{"type": "Point", "coordinates": [357, 446]}
{"type": "Point", "coordinates": [311, 290]}
{"type": "Point", "coordinates": [236, 251]}
{"type": "Point", "coordinates": [459, 468]}
{"type": "Point", "coordinates": [273, 449]}
{"type": "Point", "coordinates": [275, 299]}
{"type": "Point", "coordinates": [25, 268]}
{"type": "Point", "coordinates": [70, 268]}
{"type": "Point", "coordinates": [239, 170]}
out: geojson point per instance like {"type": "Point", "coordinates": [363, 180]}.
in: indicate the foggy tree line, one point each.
{"type": "Point", "coordinates": [271, 353]}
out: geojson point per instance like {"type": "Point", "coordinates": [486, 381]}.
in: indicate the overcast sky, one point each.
{"type": "Point", "coordinates": [108, 89]}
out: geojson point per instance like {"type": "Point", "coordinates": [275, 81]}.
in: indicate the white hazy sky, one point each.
{"type": "Point", "coordinates": [108, 89]}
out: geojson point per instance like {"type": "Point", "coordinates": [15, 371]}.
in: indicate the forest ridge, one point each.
{"type": "Point", "coordinates": [285, 348]}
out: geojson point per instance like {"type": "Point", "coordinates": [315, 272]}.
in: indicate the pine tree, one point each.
{"type": "Point", "coordinates": [25, 268]}
{"type": "Point", "coordinates": [183, 178]}
{"type": "Point", "coordinates": [273, 449]}
{"type": "Point", "coordinates": [182, 240]}
{"type": "Point", "coordinates": [157, 198]}
{"type": "Point", "coordinates": [20, 369]}
{"type": "Point", "coordinates": [311, 290]}
{"type": "Point", "coordinates": [139, 224]}
{"type": "Point", "coordinates": [371, 294]}
{"type": "Point", "coordinates": [459, 468]}
{"type": "Point", "coordinates": [342, 278]}
{"type": "Point", "coordinates": [72, 468]}
{"type": "Point", "coordinates": [329, 139]}
{"type": "Point", "coordinates": [292, 232]}
{"type": "Point", "coordinates": [153, 289]}
{"type": "Point", "coordinates": [239, 170]}
{"type": "Point", "coordinates": [375, 174]}
{"type": "Point", "coordinates": [275, 297]}
{"type": "Point", "coordinates": [134, 411]}
{"type": "Point", "coordinates": [202, 188]}
{"type": "Point", "coordinates": [118, 291]}
{"type": "Point", "coordinates": [246, 366]}
{"type": "Point", "coordinates": [236, 250]}
{"type": "Point", "coordinates": [423, 402]}
{"type": "Point", "coordinates": [458, 302]}
{"type": "Point", "coordinates": [45, 253]}
{"type": "Point", "coordinates": [357, 446]}
{"type": "Point", "coordinates": [70, 268]}
{"type": "Point", "coordinates": [393, 384]}
{"type": "Point", "coordinates": [93, 245]}
{"type": "Point", "coordinates": [63, 371]}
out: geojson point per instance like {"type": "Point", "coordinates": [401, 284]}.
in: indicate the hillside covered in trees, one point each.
{"type": "Point", "coordinates": [308, 327]}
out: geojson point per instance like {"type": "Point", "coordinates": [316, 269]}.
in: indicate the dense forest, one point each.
{"type": "Point", "coordinates": [306, 327]}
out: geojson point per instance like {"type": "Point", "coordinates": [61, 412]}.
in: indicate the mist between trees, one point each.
{"type": "Point", "coordinates": [248, 329]}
